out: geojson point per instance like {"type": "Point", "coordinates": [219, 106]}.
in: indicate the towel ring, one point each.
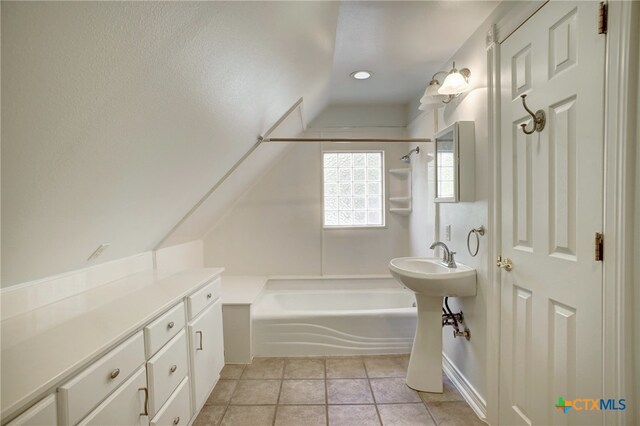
{"type": "Point", "coordinates": [477, 232]}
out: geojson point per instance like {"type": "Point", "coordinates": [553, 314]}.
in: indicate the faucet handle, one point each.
{"type": "Point", "coordinates": [451, 261]}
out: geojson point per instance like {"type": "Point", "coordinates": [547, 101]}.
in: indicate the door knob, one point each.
{"type": "Point", "coordinates": [506, 264]}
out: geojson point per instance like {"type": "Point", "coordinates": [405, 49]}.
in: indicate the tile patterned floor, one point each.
{"type": "Point", "coordinates": [331, 391]}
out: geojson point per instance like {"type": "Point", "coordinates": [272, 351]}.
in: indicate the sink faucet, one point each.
{"type": "Point", "coordinates": [447, 259]}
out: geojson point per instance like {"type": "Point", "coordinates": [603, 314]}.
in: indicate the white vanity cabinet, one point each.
{"type": "Point", "coordinates": [134, 360]}
{"type": "Point", "coordinates": [206, 351]}
{"type": "Point", "coordinates": [163, 329]}
{"type": "Point", "coordinates": [177, 410]}
{"type": "Point", "coordinates": [125, 406]}
{"type": "Point", "coordinates": [43, 413]}
{"type": "Point", "coordinates": [166, 370]}
{"type": "Point", "coordinates": [84, 392]}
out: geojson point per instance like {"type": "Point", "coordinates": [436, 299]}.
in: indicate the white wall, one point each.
{"type": "Point", "coordinates": [427, 225]}
{"type": "Point", "coordinates": [636, 277]}
{"type": "Point", "coordinates": [28, 296]}
{"type": "Point", "coordinates": [367, 251]}
{"type": "Point", "coordinates": [428, 220]}
{"type": "Point", "coordinates": [422, 221]}
{"type": "Point", "coordinates": [636, 251]}
{"type": "Point", "coordinates": [270, 229]}
{"type": "Point", "coordinates": [117, 117]}
{"type": "Point", "coordinates": [470, 356]}
{"type": "Point", "coordinates": [223, 194]}
{"type": "Point", "coordinates": [180, 256]}
{"type": "Point", "coordinates": [275, 228]}
{"type": "Point", "coordinates": [342, 116]}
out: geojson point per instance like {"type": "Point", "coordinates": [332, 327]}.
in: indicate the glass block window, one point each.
{"type": "Point", "coordinates": [353, 189]}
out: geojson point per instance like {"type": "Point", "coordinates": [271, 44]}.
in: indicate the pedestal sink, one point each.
{"type": "Point", "coordinates": [431, 281]}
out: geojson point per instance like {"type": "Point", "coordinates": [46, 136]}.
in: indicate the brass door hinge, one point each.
{"type": "Point", "coordinates": [602, 18]}
{"type": "Point", "coordinates": [599, 247]}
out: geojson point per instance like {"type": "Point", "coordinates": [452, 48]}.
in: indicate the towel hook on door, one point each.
{"type": "Point", "coordinates": [539, 118]}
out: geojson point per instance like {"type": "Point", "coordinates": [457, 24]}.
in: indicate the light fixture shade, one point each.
{"type": "Point", "coordinates": [432, 88]}
{"type": "Point", "coordinates": [431, 95]}
{"type": "Point", "coordinates": [431, 100]}
{"type": "Point", "coordinates": [425, 98]}
{"type": "Point", "coordinates": [454, 83]}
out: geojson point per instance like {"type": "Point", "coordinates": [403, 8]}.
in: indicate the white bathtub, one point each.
{"type": "Point", "coordinates": [307, 317]}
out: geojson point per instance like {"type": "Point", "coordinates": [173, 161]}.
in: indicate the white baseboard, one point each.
{"type": "Point", "coordinates": [469, 393]}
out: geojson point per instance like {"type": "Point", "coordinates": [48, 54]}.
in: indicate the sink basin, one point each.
{"type": "Point", "coordinates": [430, 280]}
{"type": "Point", "coordinates": [428, 276]}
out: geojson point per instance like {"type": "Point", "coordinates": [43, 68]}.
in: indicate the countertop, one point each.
{"type": "Point", "coordinates": [44, 347]}
{"type": "Point", "coordinates": [241, 290]}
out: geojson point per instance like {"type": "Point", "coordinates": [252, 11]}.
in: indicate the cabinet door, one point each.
{"type": "Point", "coordinates": [125, 406]}
{"type": "Point", "coordinates": [206, 351]}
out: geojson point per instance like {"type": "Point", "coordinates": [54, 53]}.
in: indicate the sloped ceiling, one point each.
{"type": "Point", "coordinates": [118, 116]}
{"type": "Point", "coordinates": [402, 42]}
{"type": "Point", "coordinates": [221, 199]}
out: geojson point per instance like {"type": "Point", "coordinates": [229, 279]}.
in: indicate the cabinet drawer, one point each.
{"type": "Point", "coordinates": [43, 413]}
{"type": "Point", "coordinates": [166, 370]}
{"type": "Point", "coordinates": [203, 298]}
{"type": "Point", "coordinates": [125, 406]}
{"type": "Point", "coordinates": [177, 410]}
{"type": "Point", "coordinates": [163, 329]}
{"type": "Point", "coordinates": [84, 392]}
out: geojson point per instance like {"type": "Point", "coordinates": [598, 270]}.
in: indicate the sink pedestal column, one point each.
{"type": "Point", "coordinates": [425, 365]}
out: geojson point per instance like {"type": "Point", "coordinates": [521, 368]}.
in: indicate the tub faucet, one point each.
{"type": "Point", "coordinates": [447, 259]}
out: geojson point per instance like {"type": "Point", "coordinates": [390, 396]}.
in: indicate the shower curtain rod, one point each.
{"type": "Point", "coordinates": [246, 155]}
{"type": "Point", "coordinates": [261, 139]}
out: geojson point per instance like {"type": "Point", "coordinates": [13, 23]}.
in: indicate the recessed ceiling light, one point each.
{"type": "Point", "coordinates": [361, 75]}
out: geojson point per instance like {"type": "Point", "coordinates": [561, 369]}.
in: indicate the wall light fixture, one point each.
{"type": "Point", "coordinates": [453, 85]}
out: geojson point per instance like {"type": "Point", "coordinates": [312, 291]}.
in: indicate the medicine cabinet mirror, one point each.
{"type": "Point", "coordinates": [455, 163]}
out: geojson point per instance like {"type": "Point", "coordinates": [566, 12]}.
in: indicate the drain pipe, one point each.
{"type": "Point", "coordinates": [454, 320]}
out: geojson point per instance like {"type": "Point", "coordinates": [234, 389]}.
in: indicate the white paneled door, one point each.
{"type": "Point", "coordinates": [552, 203]}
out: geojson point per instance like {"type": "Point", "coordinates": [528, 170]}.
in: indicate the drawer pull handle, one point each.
{"type": "Point", "coordinates": [176, 420]}
{"type": "Point", "coordinates": [209, 295]}
{"type": "Point", "coordinates": [171, 324]}
{"type": "Point", "coordinates": [114, 373]}
{"type": "Point", "coordinates": [173, 368]}
{"type": "Point", "coordinates": [200, 346]}
{"type": "Point", "coordinates": [146, 401]}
